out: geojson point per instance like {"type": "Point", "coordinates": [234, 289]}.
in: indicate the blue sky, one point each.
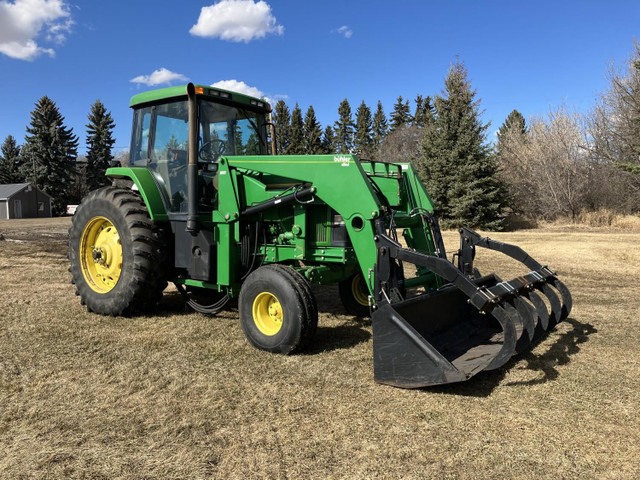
{"type": "Point", "coordinates": [530, 56]}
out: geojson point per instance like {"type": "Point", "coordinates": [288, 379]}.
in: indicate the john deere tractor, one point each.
{"type": "Point", "coordinates": [203, 205]}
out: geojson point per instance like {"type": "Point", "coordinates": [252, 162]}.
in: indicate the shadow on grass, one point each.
{"type": "Point", "coordinates": [344, 336]}
{"type": "Point", "coordinates": [173, 303]}
{"type": "Point", "coordinates": [557, 354]}
{"type": "Point", "coordinates": [326, 339]}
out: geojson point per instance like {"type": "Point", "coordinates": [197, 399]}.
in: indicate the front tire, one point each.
{"type": "Point", "coordinates": [277, 312]}
{"type": "Point", "coordinates": [355, 295]}
{"type": "Point", "coordinates": [117, 253]}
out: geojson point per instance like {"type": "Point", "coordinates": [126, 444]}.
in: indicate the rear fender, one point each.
{"type": "Point", "coordinates": [147, 187]}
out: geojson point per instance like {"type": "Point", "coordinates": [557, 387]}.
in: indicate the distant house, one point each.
{"type": "Point", "coordinates": [22, 200]}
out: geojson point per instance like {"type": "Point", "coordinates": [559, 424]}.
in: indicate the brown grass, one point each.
{"type": "Point", "coordinates": [182, 395]}
{"type": "Point", "coordinates": [596, 221]}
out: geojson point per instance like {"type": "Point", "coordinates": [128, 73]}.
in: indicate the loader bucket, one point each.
{"type": "Point", "coordinates": [468, 325]}
{"type": "Point", "coordinates": [439, 337]}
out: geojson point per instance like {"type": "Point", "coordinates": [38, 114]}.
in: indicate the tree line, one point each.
{"type": "Point", "coordinates": [565, 163]}
{"type": "Point", "coordinates": [559, 165]}
{"type": "Point", "coordinates": [443, 136]}
{"type": "Point", "coordinates": [48, 158]}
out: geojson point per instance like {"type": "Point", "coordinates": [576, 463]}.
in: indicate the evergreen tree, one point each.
{"type": "Point", "coordinates": [253, 144]}
{"type": "Point", "coordinates": [363, 140]}
{"type": "Point", "coordinates": [327, 141]}
{"type": "Point", "coordinates": [99, 142]}
{"type": "Point", "coordinates": [282, 122]}
{"type": "Point", "coordinates": [49, 154]}
{"type": "Point", "coordinates": [312, 133]}
{"type": "Point", "coordinates": [10, 161]}
{"type": "Point", "coordinates": [424, 111]}
{"type": "Point", "coordinates": [380, 126]}
{"type": "Point", "coordinates": [237, 136]}
{"type": "Point", "coordinates": [296, 133]}
{"type": "Point", "coordinates": [514, 124]}
{"type": "Point", "coordinates": [400, 115]}
{"type": "Point", "coordinates": [455, 163]}
{"type": "Point", "coordinates": [418, 116]}
{"type": "Point", "coordinates": [343, 129]}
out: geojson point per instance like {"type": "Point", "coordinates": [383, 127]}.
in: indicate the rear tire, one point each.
{"type": "Point", "coordinates": [277, 311]}
{"type": "Point", "coordinates": [117, 253]}
{"type": "Point", "coordinates": [355, 295]}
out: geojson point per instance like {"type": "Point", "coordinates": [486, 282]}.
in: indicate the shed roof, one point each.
{"type": "Point", "coordinates": [8, 190]}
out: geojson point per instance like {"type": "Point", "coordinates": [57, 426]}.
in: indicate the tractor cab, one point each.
{"type": "Point", "coordinates": [228, 124]}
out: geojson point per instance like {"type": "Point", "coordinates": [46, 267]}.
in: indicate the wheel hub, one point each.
{"type": "Point", "coordinates": [101, 253]}
{"type": "Point", "coordinates": [267, 313]}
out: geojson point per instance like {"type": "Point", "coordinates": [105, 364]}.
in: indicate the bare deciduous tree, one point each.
{"type": "Point", "coordinates": [547, 169]}
{"type": "Point", "coordinates": [401, 145]}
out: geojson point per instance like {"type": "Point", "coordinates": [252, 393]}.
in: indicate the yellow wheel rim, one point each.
{"type": "Point", "coordinates": [101, 254]}
{"type": "Point", "coordinates": [267, 313]}
{"type": "Point", "coordinates": [360, 294]}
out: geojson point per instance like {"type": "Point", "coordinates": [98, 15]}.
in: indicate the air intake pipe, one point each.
{"type": "Point", "coordinates": [192, 165]}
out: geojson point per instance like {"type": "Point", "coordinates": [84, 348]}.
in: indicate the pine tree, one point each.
{"type": "Point", "coordinates": [239, 146]}
{"type": "Point", "coordinates": [424, 111]}
{"type": "Point", "coordinates": [343, 129]}
{"type": "Point", "coordinates": [99, 142]}
{"type": "Point", "coordinates": [10, 161]}
{"type": "Point", "coordinates": [400, 115]}
{"type": "Point", "coordinates": [282, 122]}
{"type": "Point", "coordinates": [363, 140]}
{"type": "Point", "coordinates": [515, 121]}
{"type": "Point", "coordinates": [328, 146]}
{"type": "Point", "coordinates": [253, 144]}
{"type": "Point", "coordinates": [418, 116]}
{"type": "Point", "coordinates": [514, 124]}
{"type": "Point", "coordinates": [312, 133]}
{"type": "Point", "coordinates": [455, 163]}
{"type": "Point", "coordinates": [380, 126]}
{"type": "Point", "coordinates": [50, 151]}
{"type": "Point", "coordinates": [296, 133]}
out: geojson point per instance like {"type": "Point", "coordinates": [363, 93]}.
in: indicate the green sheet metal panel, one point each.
{"type": "Point", "coordinates": [147, 187]}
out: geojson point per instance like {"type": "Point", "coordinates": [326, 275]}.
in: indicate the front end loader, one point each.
{"type": "Point", "coordinates": [201, 204]}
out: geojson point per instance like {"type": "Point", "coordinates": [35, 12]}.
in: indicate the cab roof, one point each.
{"type": "Point", "coordinates": [206, 91]}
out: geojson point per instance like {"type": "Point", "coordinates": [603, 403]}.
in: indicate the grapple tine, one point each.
{"type": "Point", "coordinates": [567, 301]}
{"type": "Point", "coordinates": [524, 315]}
{"type": "Point", "coordinates": [529, 317]}
{"type": "Point", "coordinates": [509, 323]}
{"type": "Point", "coordinates": [555, 314]}
{"type": "Point", "coordinates": [543, 314]}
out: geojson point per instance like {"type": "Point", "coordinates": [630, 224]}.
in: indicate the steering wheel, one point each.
{"type": "Point", "coordinates": [210, 151]}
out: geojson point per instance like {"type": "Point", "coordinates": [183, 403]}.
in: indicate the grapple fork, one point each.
{"type": "Point", "coordinates": [472, 323]}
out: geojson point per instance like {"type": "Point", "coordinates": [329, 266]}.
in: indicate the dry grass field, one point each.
{"type": "Point", "coordinates": [182, 395]}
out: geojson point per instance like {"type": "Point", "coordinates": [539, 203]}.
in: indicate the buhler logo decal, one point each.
{"type": "Point", "coordinates": [344, 161]}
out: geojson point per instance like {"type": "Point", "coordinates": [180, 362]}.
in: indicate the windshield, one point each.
{"type": "Point", "coordinates": [231, 130]}
{"type": "Point", "coordinates": [159, 142]}
{"type": "Point", "coordinates": [160, 130]}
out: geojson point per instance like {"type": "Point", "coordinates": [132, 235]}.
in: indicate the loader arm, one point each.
{"type": "Point", "coordinates": [338, 180]}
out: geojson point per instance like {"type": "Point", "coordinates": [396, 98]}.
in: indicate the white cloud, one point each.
{"type": "Point", "coordinates": [22, 21]}
{"type": "Point", "coordinates": [345, 31]}
{"type": "Point", "coordinates": [238, 86]}
{"type": "Point", "coordinates": [159, 77]}
{"type": "Point", "coordinates": [236, 21]}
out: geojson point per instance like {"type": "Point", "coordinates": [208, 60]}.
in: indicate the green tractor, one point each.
{"type": "Point", "coordinates": [202, 204]}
